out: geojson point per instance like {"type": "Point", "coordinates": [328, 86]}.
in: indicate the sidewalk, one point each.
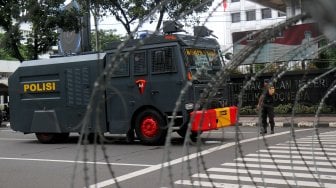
{"type": "Point", "coordinates": [5, 124]}
{"type": "Point", "coordinates": [297, 121]}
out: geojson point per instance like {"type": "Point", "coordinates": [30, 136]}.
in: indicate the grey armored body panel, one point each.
{"type": "Point", "coordinates": [51, 95]}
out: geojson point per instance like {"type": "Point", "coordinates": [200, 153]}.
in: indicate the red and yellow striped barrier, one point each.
{"type": "Point", "coordinates": [205, 120]}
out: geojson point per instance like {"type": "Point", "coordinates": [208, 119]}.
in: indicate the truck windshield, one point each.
{"type": "Point", "coordinates": [203, 62]}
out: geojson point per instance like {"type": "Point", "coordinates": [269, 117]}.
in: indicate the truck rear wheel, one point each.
{"type": "Point", "coordinates": [150, 127]}
{"type": "Point", "coordinates": [183, 131]}
{"type": "Point", "coordinates": [50, 138]}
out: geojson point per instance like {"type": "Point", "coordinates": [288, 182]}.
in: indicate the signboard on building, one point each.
{"type": "Point", "coordinates": [293, 44]}
{"type": "Point", "coordinates": [287, 88]}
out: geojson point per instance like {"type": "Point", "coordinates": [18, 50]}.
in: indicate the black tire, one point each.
{"type": "Point", "coordinates": [193, 135]}
{"type": "Point", "coordinates": [130, 136]}
{"type": "Point", "coordinates": [62, 137]}
{"type": "Point", "coordinates": [183, 130]}
{"type": "Point", "coordinates": [89, 138]}
{"type": "Point", "coordinates": [50, 138]}
{"type": "Point", "coordinates": [150, 127]}
{"type": "Point", "coordinates": [46, 138]}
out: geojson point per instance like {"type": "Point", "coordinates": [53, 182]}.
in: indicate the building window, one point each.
{"type": "Point", "coordinates": [266, 13]}
{"type": "Point", "coordinates": [235, 17]}
{"type": "Point", "coordinates": [250, 15]}
{"type": "Point", "coordinates": [281, 14]}
{"type": "Point", "coordinates": [233, 1]}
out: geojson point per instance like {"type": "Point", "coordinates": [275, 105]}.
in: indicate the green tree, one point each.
{"type": "Point", "coordinates": [329, 54]}
{"type": "Point", "coordinates": [105, 37]}
{"type": "Point", "coordinates": [45, 16]}
{"type": "Point", "coordinates": [4, 55]}
{"type": "Point", "coordinates": [9, 12]}
{"type": "Point", "coordinates": [131, 11]}
{"type": "Point", "coordinates": [327, 57]}
{"type": "Point", "coordinates": [176, 8]}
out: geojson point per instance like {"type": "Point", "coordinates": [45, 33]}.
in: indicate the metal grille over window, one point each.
{"type": "Point", "coordinates": [78, 91]}
{"type": "Point", "coordinates": [120, 66]}
{"type": "Point", "coordinates": [140, 65]}
{"type": "Point", "coordinates": [162, 61]}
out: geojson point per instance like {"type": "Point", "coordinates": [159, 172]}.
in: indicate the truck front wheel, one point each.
{"type": "Point", "coordinates": [183, 131]}
{"type": "Point", "coordinates": [50, 138]}
{"type": "Point", "coordinates": [150, 127]}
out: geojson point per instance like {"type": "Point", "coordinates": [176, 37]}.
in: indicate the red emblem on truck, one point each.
{"type": "Point", "coordinates": [141, 85]}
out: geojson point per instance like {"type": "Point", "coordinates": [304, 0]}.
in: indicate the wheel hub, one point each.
{"type": "Point", "coordinates": [149, 127]}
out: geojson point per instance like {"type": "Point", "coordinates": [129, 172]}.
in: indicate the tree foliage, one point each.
{"type": "Point", "coordinates": [10, 11]}
{"type": "Point", "coordinates": [327, 57]}
{"type": "Point", "coordinates": [45, 16]}
{"type": "Point", "coordinates": [132, 11]}
{"type": "Point", "coordinates": [4, 55]}
{"type": "Point", "coordinates": [105, 37]}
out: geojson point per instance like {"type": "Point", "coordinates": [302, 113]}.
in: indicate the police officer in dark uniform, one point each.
{"type": "Point", "coordinates": [266, 105]}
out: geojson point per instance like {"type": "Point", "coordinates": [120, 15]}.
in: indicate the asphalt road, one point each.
{"type": "Point", "coordinates": [25, 163]}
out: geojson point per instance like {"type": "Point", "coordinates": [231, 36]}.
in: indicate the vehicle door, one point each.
{"type": "Point", "coordinates": [166, 77]}
{"type": "Point", "coordinates": [118, 93]}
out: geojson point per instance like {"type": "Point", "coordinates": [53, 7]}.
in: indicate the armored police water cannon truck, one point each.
{"type": "Point", "coordinates": [50, 97]}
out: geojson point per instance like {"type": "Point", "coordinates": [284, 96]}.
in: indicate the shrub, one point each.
{"type": "Point", "coordinates": [287, 109]}
{"type": "Point", "coordinates": [322, 64]}
{"type": "Point", "coordinates": [247, 110]}
{"type": "Point", "coordinates": [283, 109]}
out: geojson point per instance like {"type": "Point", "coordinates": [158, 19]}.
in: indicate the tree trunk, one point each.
{"type": "Point", "coordinates": [14, 43]}
{"type": "Point", "coordinates": [35, 51]}
{"type": "Point", "coordinates": [162, 11]}
{"type": "Point", "coordinates": [16, 52]}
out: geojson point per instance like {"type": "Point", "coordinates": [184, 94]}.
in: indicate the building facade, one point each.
{"type": "Point", "coordinates": [243, 15]}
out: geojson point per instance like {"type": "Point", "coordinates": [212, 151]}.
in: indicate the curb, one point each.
{"type": "Point", "coordinates": [298, 124]}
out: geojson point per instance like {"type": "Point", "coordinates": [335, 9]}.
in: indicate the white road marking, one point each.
{"type": "Point", "coordinates": [285, 161]}
{"type": "Point", "coordinates": [180, 160]}
{"type": "Point", "coordinates": [69, 161]}
{"type": "Point", "coordinates": [273, 173]}
{"type": "Point", "coordinates": [232, 132]}
{"type": "Point", "coordinates": [328, 133]}
{"type": "Point", "coordinates": [315, 139]}
{"type": "Point", "coordinates": [331, 137]}
{"type": "Point", "coordinates": [265, 180]}
{"type": "Point", "coordinates": [255, 164]}
{"type": "Point", "coordinates": [311, 142]}
{"type": "Point", "coordinates": [305, 157]}
{"type": "Point", "coordinates": [16, 139]}
{"type": "Point", "coordinates": [212, 184]}
{"type": "Point", "coordinates": [212, 142]}
{"type": "Point", "coordinates": [283, 167]}
{"type": "Point", "coordinates": [316, 145]}
{"type": "Point", "coordinates": [303, 148]}
{"type": "Point", "coordinates": [7, 130]}
{"type": "Point", "coordinates": [296, 152]}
